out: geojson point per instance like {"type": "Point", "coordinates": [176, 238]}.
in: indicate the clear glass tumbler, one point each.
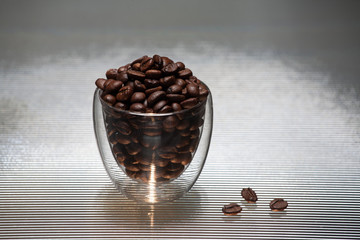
{"type": "Point", "coordinates": [153, 157]}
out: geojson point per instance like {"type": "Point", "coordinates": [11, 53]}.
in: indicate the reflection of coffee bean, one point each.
{"type": "Point", "coordinates": [153, 147]}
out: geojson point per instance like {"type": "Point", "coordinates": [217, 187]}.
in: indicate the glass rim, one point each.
{"type": "Point", "coordinates": [183, 111]}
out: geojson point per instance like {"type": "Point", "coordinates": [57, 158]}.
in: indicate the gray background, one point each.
{"type": "Point", "coordinates": [285, 81]}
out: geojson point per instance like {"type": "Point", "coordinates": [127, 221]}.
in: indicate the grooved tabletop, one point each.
{"type": "Point", "coordinates": [286, 118]}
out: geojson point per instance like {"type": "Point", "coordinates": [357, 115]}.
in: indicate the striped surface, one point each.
{"type": "Point", "coordinates": [285, 125]}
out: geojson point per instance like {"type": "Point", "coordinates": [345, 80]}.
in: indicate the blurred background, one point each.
{"type": "Point", "coordinates": [285, 81]}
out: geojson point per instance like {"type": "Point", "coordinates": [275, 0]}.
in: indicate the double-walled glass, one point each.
{"type": "Point", "coordinates": [153, 157]}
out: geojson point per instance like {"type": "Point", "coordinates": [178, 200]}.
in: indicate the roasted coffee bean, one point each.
{"type": "Point", "coordinates": [278, 204]}
{"type": "Point", "coordinates": [144, 167]}
{"type": "Point", "coordinates": [192, 89]}
{"type": "Point", "coordinates": [136, 66]}
{"type": "Point", "coordinates": [125, 93]}
{"type": "Point", "coordinates": [113, 86]}
{"type": "Point", "coordinates": [110, 99]}
{"type": "Point", "coordinates": [175, 97]}
{"type": "Point", "coordinates": [155, 97]}
{"type": "Point", "coordinates": [138, 86]}
{"type": "Point", "coordinates": [133, 148]}
{"type": "Point", "coordinates": [198, 122]}
{"type": "Point", "coordinates": [100, 83]}
{"type": "Point", "coordinates": [123, 68]}
{"type": "Point", "coordinates": [111, 73]}
{"type": "Point", "coordinates": [122, 76]}
{"type": "Point", "coordinates": [176, 107]}
{"type": "Point", "coordinates": [170, 68]}
{"type": "Point", "coordinates": [184, 124]}
{"type": "Point", "coordinates": [107, 82]}
{"type": "Point", "coordinates": [189, 103]}
{"type": "Point", "coordinates": [174, 167]}
{"type": "Point", "coordinates": [124, 140]}
{"type": "Point", "coordinates": [162, 162]}
{"type": "Point", "coordinates": [184, 91]}
{"type": "Point", "coordinates": [166, 109]}
{"type": "Point", "coordinates": [180, 65]}
{"type": "Point", "coordinates": [159, 105]}
{"type": "Point", "coordinates": [120, 105]}
{"type": "Point", "coordinates": [249, 195]}
{"type": "Point", "coordinates": [184, 74]}
{"type": "Point", "coordinates": [137, 107]}
{"type": "Point", "coordinates": [185, 158]}
{"type": "Point", "coordinates": [112, 138]}
{"type": "Point", "coordinates": [146, 64]}
{"type": "Point", "coordinates": [123, 127]}
{"type": "Point", "coordinates": [133, 74]}
{"type": "Point", "coordinates": [185, 133]}
{"type": "Point", "coordinates": [170, 122]}
{"type": "Point", "coordinates": [153, 74]}
{"type": "Point", "coordinates": [172, 174]}
{"type": "Point", "coordinates": [157, 59]}
{"type": "Point", "coordinates": [167, 81]}
{"type": "Point", "coordinates": [231, 209]}
{"type": "Point", "coordinates": [184, 141]}
{"type": "Point", "coordinates": [180, 82]}
{"type": "Point", "coordinates": [152, 90]}
{"type": "Point", "coordinates": [151, 132]}
{"type": "Point", "coordinates": [175, 88]}
{"type": "Point", "coordinates": [129, 165]}
{"type": "Point", "coordinates": [166, 61]}
{"type": "Point", "coordinates": [195, 133]}
{"type": "Point", "coordinates": [193, 144]}
{"type": "Point", "coordinates": [151, 83]}
{"type": "Point", "coordinates": [137, 97]}
{"type": "Point", "coordinates": [138, 60]}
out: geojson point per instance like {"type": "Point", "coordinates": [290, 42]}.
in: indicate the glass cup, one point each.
{"type": "Point", "coordinates": [153, 157]}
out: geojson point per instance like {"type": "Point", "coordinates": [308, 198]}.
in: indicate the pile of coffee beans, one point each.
{"type": "Point", "coordinates": [154, 111]}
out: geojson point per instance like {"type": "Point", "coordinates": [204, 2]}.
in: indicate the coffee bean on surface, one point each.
{"type": "Point", "coordinates": [231, 209]}
{"type": "Point", "coordinates": [278, 204]}
{"type": "Point", "coordinates": [249, 195]}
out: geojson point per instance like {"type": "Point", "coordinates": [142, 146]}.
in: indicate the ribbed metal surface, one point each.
{"type": "Point", "coordinates": [285, 124]}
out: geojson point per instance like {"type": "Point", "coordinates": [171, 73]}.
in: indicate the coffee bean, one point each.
{"type": "Point", "coordinates": [133, 74]}
{"type": "Point", "coordinates": [138, 60]}
{"type": "Point", "coordinates": [153, 74]}
{"type": "Point", "coordinates": [166, 61]}
{"type": "Point", "coordinates": [192, 89]}
{"type": "Point", "coordinates": [155, 97]}
{"type": "Point", "coordinates": [278, 204]}
{"type": "Point", "coordinates": [185, 73]}
{"type": "Point", "coordinates": [137, 97]}
{"type": "Point", "coordinates": [180, 82]}
{"type": "Point", "coordinates": [157, 59]}
{"type": "Point", "coordinates": [167, 81]}
{"type": "Point", "coordinates": [151, 83]}
{"type": "Point", "coordinates": [122, 76]}
{"type": "Point", "coordinates": [162, 162]}
{"type": "Point", "coordinates": [176, 107]}
{"type": "Point", "coordinates": [123, 127]}
{"type": "Point", "coordinates": [249, 195]}
{"type": "Point", "coordinates": [111, 73]}
{"type": "Point", "coordinates": [129, 165]}
{"type": "Point", "coordinates": [175, 167]}
{"type": "Point", "coordinates": [189, 103]}
{"type": "Point", "coordinates": [152, 90]}
{"type": "Point", "coordinates": [170, 68]}
{"type": "Point", "coordinates": [175, 97]}
{"type": "Point", "coordinates": [138, 86]}
{"type": "Point", "coordinates": [184, 141]}
{"type": "Point", "coordinates": [133, 148]}
{"type": "Point", "coordinates": [180, 65]}
{"type": "Point", "coordinates": [175, 88]}
{"type": "Point", "coordinates": [166, 109]}
{"type": "Point", "coordinates": [159, 105]}
{"type": "Point", "coordinates": [100, 83]}
{"type": "Point", "coordinates": [170, 122]}
{"type": "Point", "coordinates": [109, 99]}
{"type": "Point", "coordinates": [196, 123]}
{"type": "Point", "coordinates": [125, 93]}
{"type": "Point", "coordinates": [231, 209]}
{"type": "Point", "coordinates": [122, 139]}
{"type": "Point", "coordinates": [107, 82]}
{"type": "Point", "coordinates": [120, 105]}
{"type": "Point", "coordinates": [172, 174]}
{"type": "Point", "coordinates": [123, 68]}
{"type": "Point", "coordinates": [146, 64]}
{"type": "Point", "coordinates": [113, 86]}
{"type": "Point", "coordinates": [136, 66]}
{"type": "Point", "coordinates": [184, 124]}
{"type": "Point", "coordinates": [137, 107]}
